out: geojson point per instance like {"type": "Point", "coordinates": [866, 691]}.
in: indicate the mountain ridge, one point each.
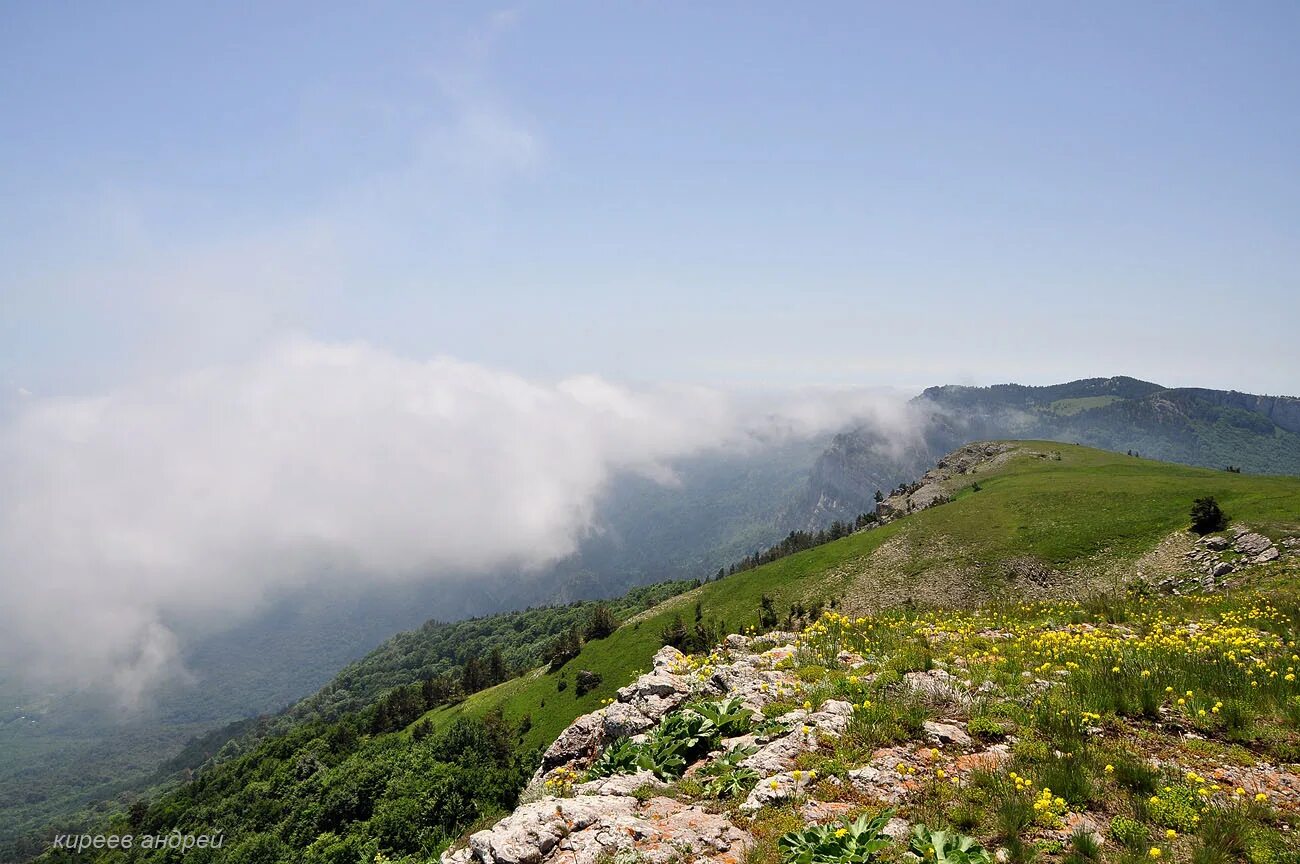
{"type": "Point", "coordinates": [1193, 426]}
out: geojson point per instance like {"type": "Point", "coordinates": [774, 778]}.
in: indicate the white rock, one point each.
{"type": "Point", "coordinates": [655, 694]}
{"type": "Point", "coordinates": [620, 784]}
{"type": "Point", "coordinates": [1269, 554]}
{"type": "Point", "coordinates": [668, 658]}
{"type": "Point", "coordinates": [776, 788]}
{"type": "Point", "coordinates": [532, 831]}
{"type": "Point", "coordinates": [621, 720]}
{"type": "Point", "coordinates": [1251, 543]}
{"type": "Point", "coordinates": [580, 741]}
{"type": "Point", "coordinates": [946, 733]}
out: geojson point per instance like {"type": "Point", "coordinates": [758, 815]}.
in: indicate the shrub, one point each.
{"type": "Point", "coordinates": [888, 721]}
{"type": "Point", "coordinates": [1067, 776]}
{"type": "Point", "coordinates": [1129, 833]}
{"type": "Point", "coordinates": [679, 738]}
{"type": "Point", "coordinates": [1225, 835]}
{"type": "Point", "coordinates": [560, 783]}
{"type": "Point", "coordinates": [1085, 847]}
{"type": "Point", "coordinates": [1015, 814]}
{"type": "Point", "coordinates": [912, 657]}
{"type": "Point", "coordinates": [965, 816]}
{"type": "Point", "coordinates": [1270, 847]}
{"type": "Point", "coordinates": [943, 847]}
{"type": "Point", "coordinates": [563, 648]}
{"type": "Point", "coordinates": [854, 842]}
{"type": "Point", "coordinates": [675, 634]}
{"type": "Point", "coordinates": [600, 623]}
{"type": "Point", "coordinates": [1207, 516]}
{"type": "Point", "coordinates": [1239, 721]}
{"type": "Point", "coordinates": [1020, 852]}
{"type": "Point", "coordinates": [585, 682]}
{"type": "Point", "coordinates": [1135, 774]}
{"type": "Point", "coordinates": [987, 727]}
{"type": "Point", "coordinates": [1110, 607]}
{"type": "Point", "coordinates": [1049, 808]}
{"type": "Point", "coordinates": [1121, 689]}
{"type": "Point", "coordinates": [729, 717]}
{"type": "Point", "coordinates": [1207, 852]}
{"type": "Point", "coordinates": [1174, 807]}
{"type": "Point", "coordinates": [618, 758]}
{"type": "Point", "coordinates": [727, 778]}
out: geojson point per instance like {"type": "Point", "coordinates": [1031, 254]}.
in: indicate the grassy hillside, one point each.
{"type": "Point", "coordinates": [1047, 520]}
{"type": "Point", "coordinates": [1117, 730]}
{"type": "Point", "coordinates": [1053, 519]}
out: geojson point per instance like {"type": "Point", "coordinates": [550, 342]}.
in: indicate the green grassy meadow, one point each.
{"type": "Point", "coordinates": [1063, 506]}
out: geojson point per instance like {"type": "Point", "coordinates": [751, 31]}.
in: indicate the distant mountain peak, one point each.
{"type": "Point", "coordinates": [1120, 386]}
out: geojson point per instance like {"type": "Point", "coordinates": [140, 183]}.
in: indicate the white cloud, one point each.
{"type": "Point", "coordinates": [196, 498]}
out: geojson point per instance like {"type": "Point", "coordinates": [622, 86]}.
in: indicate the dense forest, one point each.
{"type": "Point", "coordinates": [1194, 426]}
{"type": "Point", "coordinates": [445, 662]}
{"type": "Point", "coordinates": [343, 760]}
{"type": "Point", "coordinates": [334, 793]}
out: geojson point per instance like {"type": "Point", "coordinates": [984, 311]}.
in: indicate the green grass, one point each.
{"type": "Point", "coordinates": [1092, 501]}
{"type": "Point", "coordinates": [1063, 506]}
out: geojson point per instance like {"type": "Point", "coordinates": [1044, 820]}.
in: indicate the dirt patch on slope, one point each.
{"type": "Point", "coordinates": [900, 571]}
{"type": "Point", "coordinates": [1103, 571]}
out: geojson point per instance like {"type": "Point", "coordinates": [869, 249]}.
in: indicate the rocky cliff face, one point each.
{"type": "Point", "coordinates": [858, 462]}
{"type": "Point", "coordinates": [1283, 411]}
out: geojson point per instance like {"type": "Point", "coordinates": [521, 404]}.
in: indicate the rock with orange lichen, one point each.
{"type": "Point", "coordinates": [586, 829]}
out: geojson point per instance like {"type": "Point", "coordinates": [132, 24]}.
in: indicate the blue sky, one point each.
{"type": "Point", "coordinates": [745, 194]}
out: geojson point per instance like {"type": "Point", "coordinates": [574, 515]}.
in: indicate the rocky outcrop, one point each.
{"type": "Point", "coordinates": [580, 742]}
{"type": "Point", "coordinates": [638, 707]}
{"type": "Point", "coordinates": [606, 815]}
{"type": "Point", "coordinates": [587, 829]}
{"type": "Point", "coordinates": [622, 720]}
{"type": "Point", "coordinates": [655, 695]}
{"type": "Point", "coordinates": [1250, 543]}
{"type": "Point", "coordinates": [569, 818]}
{"type": "Point", "coordinates": [1215, 557]}
{"type": "Point", "coordinates": [937, 484]}
{"type": "Point", "coordinates": [531, 833]}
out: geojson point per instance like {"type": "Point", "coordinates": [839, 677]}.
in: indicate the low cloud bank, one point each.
{"type": "Point", "coordinates": [195, 499]}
